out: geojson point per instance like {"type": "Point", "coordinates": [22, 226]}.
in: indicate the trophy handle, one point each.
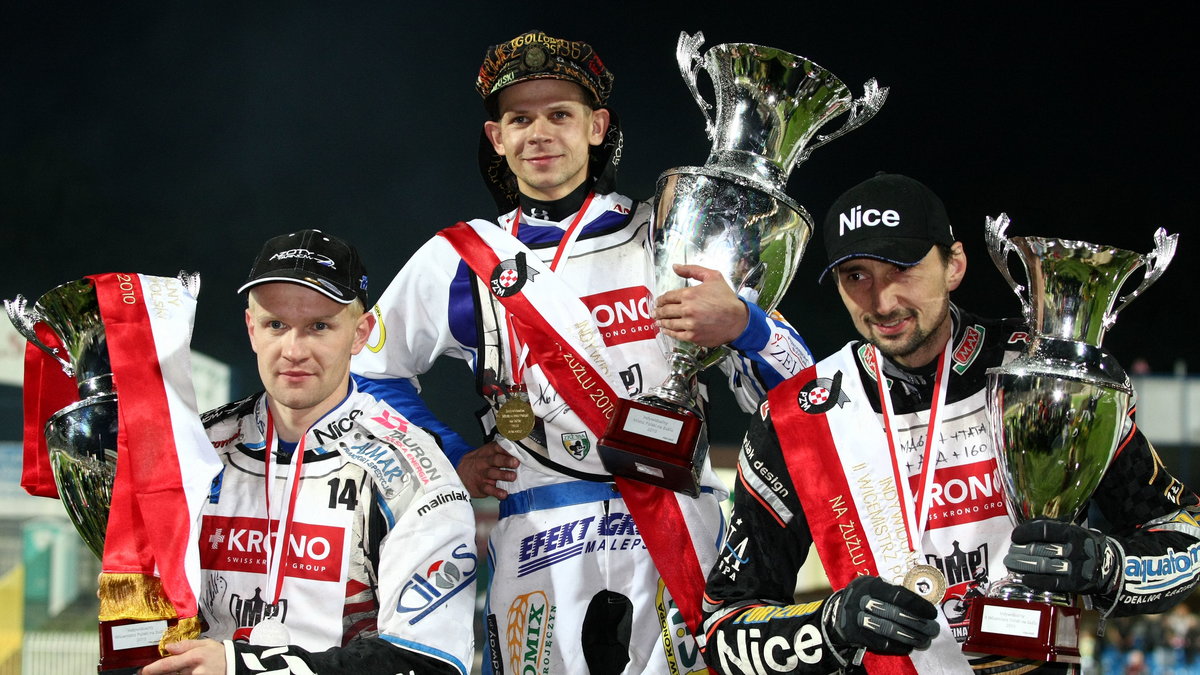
{"type": "Point", "coordinates": [23, 320]}
{"type": "Point", "coordinates": [861, 110]}
{"type": "Point", "coordinates": [687, 54]}
{"type": "Point", "coordinates": [999, 246]}
{"type": "Point", "coordinates": [190, 281]}
{"type": "Point", "coordinates": [1156, 263]}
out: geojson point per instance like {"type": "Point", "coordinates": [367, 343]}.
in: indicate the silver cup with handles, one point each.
{"type": "Point", "coordinates": [731, 215]}
{"type": "Point", "coordinates": [1057, 412]}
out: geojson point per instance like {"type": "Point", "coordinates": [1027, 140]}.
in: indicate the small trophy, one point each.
{"type": "Point", "coordinates": [1056, 413]}
{"type": "Point", "coordinates": [82, 440]}
{"type": "Point", "coordinates": [731, 215]}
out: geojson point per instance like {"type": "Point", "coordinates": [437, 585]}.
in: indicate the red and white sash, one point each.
{"type": "Point", "coordinates": [854, 512]}
{"type": "Point", "coordinates": [556, 327]}
{"type": "Point", "coordinates": [165, 462]}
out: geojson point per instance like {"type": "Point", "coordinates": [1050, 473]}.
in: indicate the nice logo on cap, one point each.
{"type": "Point", "coordinates": [858, 217]}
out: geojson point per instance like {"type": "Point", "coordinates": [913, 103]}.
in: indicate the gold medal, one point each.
{"type": "Point", "coordinates": [515, 419]}
{"type": "Point", "coordinates": [926, 581]}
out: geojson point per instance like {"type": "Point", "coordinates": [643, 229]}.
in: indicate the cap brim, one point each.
{"type": "Point", "coordinates": [899, 252]}
{"type": "Point", "coordinates": [346, 298]}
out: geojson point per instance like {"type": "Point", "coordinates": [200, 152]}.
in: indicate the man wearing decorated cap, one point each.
{"type": "Point", "coordinates": [820, 465]}
{"type": "Point", "coordinates": [556, 284]}
{"type": "Point", "coordinates": [337, 538]}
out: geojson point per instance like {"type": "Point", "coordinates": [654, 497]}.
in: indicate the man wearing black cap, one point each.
{"type": "Point", "coordinates": [558, 286]}
{"type": "Point", "coordinates": [881, 525]}
{"type": "Point", "coordinates": [337, 538]}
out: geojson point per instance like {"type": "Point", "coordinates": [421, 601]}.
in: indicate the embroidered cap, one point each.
{"type": "Point", "coordinates": [888, 217]}
{"type": "Point", "coordinates": [535, 55]}
{"type": "Point", "coordinates": [312, 258]}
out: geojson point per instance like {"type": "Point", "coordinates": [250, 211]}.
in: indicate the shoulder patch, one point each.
{"type": "Point", "coordinates": [968, 348]}
{"type": "Point", "coordinates": [866, 356]}
{"type": "Point", "coordinates": [821, 395]}
{"type": "Point", "coordinates": [379, 459]}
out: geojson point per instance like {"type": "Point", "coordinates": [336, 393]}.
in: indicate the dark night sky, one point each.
{"type": "Point", "coordinates": [167, 135]}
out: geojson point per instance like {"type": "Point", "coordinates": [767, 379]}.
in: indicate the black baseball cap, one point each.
{"type": "Point", "coordinates": [888, 217]}
{"type": "Point", "coordinates": [312, 258]}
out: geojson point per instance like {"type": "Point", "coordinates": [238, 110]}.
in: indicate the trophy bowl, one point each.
{"type": "Point", "coordinates": [82, 439]}
{"type": "Point", "coordinates": [731, 215]}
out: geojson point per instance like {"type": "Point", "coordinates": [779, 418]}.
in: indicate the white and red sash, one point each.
{"type": "Point", "coordinates": [552, 321]}
{"type": "Point", "coordinates": [854, 511]}
{"type": "Point", "coordinates": [165, 462]}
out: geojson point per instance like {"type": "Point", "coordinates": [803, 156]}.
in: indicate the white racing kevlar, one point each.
{"type": "Point", "coordinates": [548, 566]}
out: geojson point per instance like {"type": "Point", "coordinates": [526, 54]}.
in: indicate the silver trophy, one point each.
{"type": "Point", "coordinates": [732, 215]}
{"type": "Point", "coordinates": [1057, 412]}
{"type": "Point", "coordinates": [82, 437]}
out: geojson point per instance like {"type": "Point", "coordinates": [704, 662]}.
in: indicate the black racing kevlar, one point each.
{"type": "Point", "coordinates": [1128, 502]}
{"type": "Point", "coordinates": [774, 546]}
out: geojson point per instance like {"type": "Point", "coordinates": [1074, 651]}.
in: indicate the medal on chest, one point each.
{"type": "Point", "coordinates": [270, 632]}
{"type": "Point", "coordinates": [926, 581]}
{"type": "Point", "coordinates": [515, 418]}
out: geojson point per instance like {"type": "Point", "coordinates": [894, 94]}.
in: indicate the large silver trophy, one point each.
{"type": "Point", "coordinates": [82, 437]}
{"type": "Point", "coordinates": [1057, 412]}
{"type": "Point", "coordinates": [732, 215]}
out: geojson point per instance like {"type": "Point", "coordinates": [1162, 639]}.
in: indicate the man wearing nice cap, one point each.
{"type": "Point", "coordinates": [378, 571]}
{"type": "Point", "coordinates": [819, 457]}
{"type": "Point", "coordinates": [581, 579]}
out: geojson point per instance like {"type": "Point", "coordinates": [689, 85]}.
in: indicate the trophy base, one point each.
{"type": "Point", "coordinates": [126, 644]}
{"type": "Point", "coordinates": [1029, 630]}
{"type": "Point", "coordinates": [655, 445]}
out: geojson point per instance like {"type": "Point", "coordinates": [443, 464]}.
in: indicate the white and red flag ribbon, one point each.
{"type": "Point", "coordinates": [165, 463]}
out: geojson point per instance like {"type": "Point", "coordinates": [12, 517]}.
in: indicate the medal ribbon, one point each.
{"type": "Point", "coordinates": [914, 522]}
{"type": "Point", "coordinates": [568, 241]}
{"type": "Point", "coordinates": [564, 245]}
{"type": "Point", "coordinates": [655, 510]}
{"type": "Point", "coordinates": [517, 371]}
{"type": "Point", "coordinates": [287, 510]}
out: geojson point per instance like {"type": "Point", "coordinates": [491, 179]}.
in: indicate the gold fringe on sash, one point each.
{"type": "Point", "coordinates": [140, 597]}
{"type": "Point", "coordinates": [186, 629]}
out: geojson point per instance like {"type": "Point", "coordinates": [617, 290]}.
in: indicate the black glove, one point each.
{"type": "Point", "coordinates": [884, 618]}
{"type": "Point", "coordinates": [1063, 558]}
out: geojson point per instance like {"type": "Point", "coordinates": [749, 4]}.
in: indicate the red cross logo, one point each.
{"type": "Point", "coordinates": [508, 278]}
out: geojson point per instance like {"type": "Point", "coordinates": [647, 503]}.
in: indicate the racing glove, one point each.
{"type": "Point", "coordinates": [882, 617]}
{"type": "Point", "coordinates": [1064, 558]}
